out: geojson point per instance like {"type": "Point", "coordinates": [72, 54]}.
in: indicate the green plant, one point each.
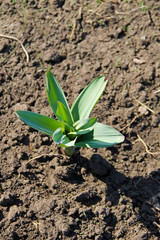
{"type": "Point", "coordinates": [117, 62]}
{"type": "Point", "coordinates": [99, 2]}
{"type": "Point", "coordinates": [73, 128]}
{"type": "Point", "coordinates": [144, 8]}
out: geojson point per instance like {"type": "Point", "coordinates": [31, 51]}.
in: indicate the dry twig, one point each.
{"type": "Point", "coordinates": [16, 39]}
{"type": "Point", "coordinates": [106, 18]}
{"type": "Point", "coordinates": [42, 155]}
{"type": "Point", "coordinates": [73, 30]}
{"type": "Point", "coordinates": [134, 9]}
{"type": "Point", "coordinates": [157, 91]}
{"type": "Point", "coordinates": [36, 224]}
{"type": "Point", "coordinates": [157, 224]}
{"type": "Point", "coordinates": [130, 122]}
{"type": "Point", "coordinates": [145, 145]}
{"type": "Point", "coordinates": [144, 105]}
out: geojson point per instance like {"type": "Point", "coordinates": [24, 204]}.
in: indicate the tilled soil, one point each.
{"type": "Point", "coordinates": [98, 194]}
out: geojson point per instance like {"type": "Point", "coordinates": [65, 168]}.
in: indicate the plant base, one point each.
{"type": "Point", "coordinates": [69, 150]}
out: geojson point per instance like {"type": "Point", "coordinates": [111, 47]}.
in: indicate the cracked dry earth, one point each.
{"type": "Point", "coordinates": [100, 194]}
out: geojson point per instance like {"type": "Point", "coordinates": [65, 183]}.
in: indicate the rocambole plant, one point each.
{"type": "Point", "coordinates": [73, 128]}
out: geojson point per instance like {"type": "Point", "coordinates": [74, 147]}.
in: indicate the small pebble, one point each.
{"type": "Point", "coordinates": [143, 110]}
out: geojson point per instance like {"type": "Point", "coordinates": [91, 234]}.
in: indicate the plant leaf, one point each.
{"type": "Point", "coordinates": [85, 131]}
{"type": "Point", "coordinates": [72, 135]}
{"type": "Point", "coordinates": [39, 122]}
{"type": "Point", "coordinates": [66, 127]}
{"type": "Point", "coordinates": [57, 135]}
{"type": "Point", "coordinates": [80, 132]}
{"type": "Point", "coordinates": [85, 102]}
{"type": "Point", "coordinates": [69, 150]}
{"type": "Point", "coordinates": [62, 114]}
{"type": "Point", "coordinates": [85, 123]}
{"type": "Point", "coordinates": [55, 94]}
{"type": "Point", "coordinates": [82, 127]}
{"type": "Point", "coordinates": [66, 142]}
{"type": "Point", "coordinates": [100, 136]}
{"type": "Point", "coordinates": [62, 139]}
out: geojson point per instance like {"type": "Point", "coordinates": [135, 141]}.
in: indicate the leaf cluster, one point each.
{"type": "Point", "coordinates": [73, 127]}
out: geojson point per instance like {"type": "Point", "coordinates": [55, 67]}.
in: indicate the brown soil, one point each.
{"type": "Point", "coordinates": [99, 194]}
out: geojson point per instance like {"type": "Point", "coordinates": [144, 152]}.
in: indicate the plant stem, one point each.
{"type": "Point", "coordinates": [69, 150]}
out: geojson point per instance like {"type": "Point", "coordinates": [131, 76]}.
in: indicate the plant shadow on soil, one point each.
{"type": "Point", "coordinates": [143, 192]}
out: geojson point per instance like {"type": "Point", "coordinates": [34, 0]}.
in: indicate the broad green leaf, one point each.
{"type": "Point", "coordinates": [39, 122]}
{"type": "Point", "coordinates": [55, 94]}
{"type": "Point", "coordinates": [66, 142]}
{"type": "Point", "coordinates": [72, 135]}
{"type": "Point", "coordinates": [57, 135]}
{"type": "Point", "coordinates": [82, 127]}
{"type": "Point", "coordinates": [62, 114]}
{"type": "Point", "coordinates": [66, 127]}
{"type": "Point", "coordinates": [79, 132]}
{"type": "Point", "coordinates": [85, 123]}
{"type": "Point", "coordinates": [100, 136]}
{"type": "Point", "coordinates": [85, 102]}
{"type": "Point", "coordinates": [84, 131]}
{"type": "Point", "coordinates": [62, 139]}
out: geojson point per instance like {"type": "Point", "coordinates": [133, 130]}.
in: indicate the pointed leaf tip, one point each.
{"type": "Point", "coordinates": [63, 114]}
{"type": "Point", "coordinates": [39, 122]}
{"type": "Point", "coordinates": [101, 136]}
{"type": "Point", "coordinates": [85, 102]}
{"type": "Point", "coordinates": [55, 94]}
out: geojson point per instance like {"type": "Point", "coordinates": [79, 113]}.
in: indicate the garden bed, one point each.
{"type": "Point", "coordinates": [99, 194]}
